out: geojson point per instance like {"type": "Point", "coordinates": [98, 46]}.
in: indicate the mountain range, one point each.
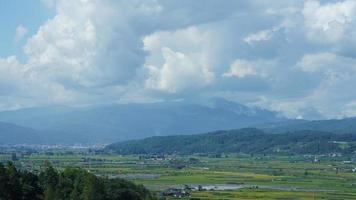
{"type": "Point", "coordinates": [119, 122]}
{"type": "Point", "coordinates": [14, 134]}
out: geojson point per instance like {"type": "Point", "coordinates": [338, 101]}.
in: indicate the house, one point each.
{"type": "Point", "coordinates": [175, 192]}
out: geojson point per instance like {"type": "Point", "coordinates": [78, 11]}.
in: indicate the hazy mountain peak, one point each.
{"type": "Point", "coordinates": [115, 122]}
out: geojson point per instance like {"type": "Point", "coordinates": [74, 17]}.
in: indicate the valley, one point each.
{"type": "Point", "coordinates": [211, 176]}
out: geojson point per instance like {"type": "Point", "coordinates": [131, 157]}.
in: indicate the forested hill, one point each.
{"type": "Point", "coordinates": [249, 140]}
{"type": "Point", "coordinates": [340, 126]}
{"type": "Point", "coordinates": [71, 183]}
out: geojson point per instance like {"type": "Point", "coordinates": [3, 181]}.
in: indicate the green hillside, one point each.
{"type": "Point", "coordinates": [248, 140]}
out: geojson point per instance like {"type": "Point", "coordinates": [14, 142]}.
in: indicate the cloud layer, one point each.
{"type": "Point", "coordinates": [290, 56]}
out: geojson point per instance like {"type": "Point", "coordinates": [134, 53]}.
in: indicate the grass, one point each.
{"type": "Point", "coordinates": [270, 194]}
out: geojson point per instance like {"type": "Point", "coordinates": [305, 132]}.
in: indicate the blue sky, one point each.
{"type": "Point", "coordinates": [295, 57]}
{"type": "Point", "coordinates": [13, 13]}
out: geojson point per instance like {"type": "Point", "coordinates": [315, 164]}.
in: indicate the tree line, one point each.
{"type": "Point", "coordinates": [69, 184]}
{"type": "Point", "coordinates": [248, 140]}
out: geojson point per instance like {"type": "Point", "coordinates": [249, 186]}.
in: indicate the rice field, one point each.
{"type": "Point", "coordinates": [227, 177]}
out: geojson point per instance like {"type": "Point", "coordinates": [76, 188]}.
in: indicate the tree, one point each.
{"type": "Point", "coordinates": [70, 184]}
{"type": "Point", "coordinates": [14, 185]}
{"type": "Point", "coordinates": [93, 188]}
{"type": "Point", "coordinates": [4, 183]}
{"type": "Point", "coordinates": [49, 181]}
{"type": "Point", "coordinates": [31, 188]}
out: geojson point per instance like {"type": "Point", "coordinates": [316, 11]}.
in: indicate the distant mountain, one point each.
{"type": "Point", "coordinates": [118, 122]}
{"type": "Point", "coordinates": [13, 134]}
{"type": "Point", "coordinates": [248, 140]}
{"type": "Point", "coordinates": [338, 126]}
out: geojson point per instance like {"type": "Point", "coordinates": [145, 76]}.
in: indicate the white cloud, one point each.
{"type": "Point", "coordinates": [314, 62]}
{"type": "Point", "coordinates": [99, 43]}
{"type": "Point", "coordinates": [77, 49]}
{"type": "Point", "coordinates": [240, 69]}
{"type": "Point", "coordinates": [331, 93]}
{"type": "Point", "coordinates": [108, 51]}
{"type": "Point", "coordinates": [259, 36]}
{"type": "Point", "coordinates": [267, 34]}
{"type": "Point", "coordinates": [326, 62]}
{"type": "Point", "coordinates": [19, 87]}
{"type": "Point", "coordinates": [64, 49]}
{"type": "Point", "coordinates": [178, 60]}
{"type": "Point", "coordinates": [333, 96]}
{"type": "Point", "coordinates": [330, 21]}
{"type": "Point", "coordinates": [179, 72]}
{"type": "Point", "coordinates": [11, 72]}
{"type": "Point", "coordinates": [20, 33]}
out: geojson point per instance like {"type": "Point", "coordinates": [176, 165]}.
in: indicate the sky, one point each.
{"type": "Point", "coordinates": [291, 56]}
{"type": "Point", "coordinates": [18, 20]}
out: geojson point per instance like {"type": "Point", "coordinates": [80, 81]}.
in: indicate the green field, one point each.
{"type": "Point", "coordinates": [255, 177]}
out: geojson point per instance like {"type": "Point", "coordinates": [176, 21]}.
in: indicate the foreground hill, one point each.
{"type": "Point", "coordinates": [118, 122]}
{"type": "Point", "coordinates": [70, 183]}
{"type": "Point", "coordinates": [248, 140]}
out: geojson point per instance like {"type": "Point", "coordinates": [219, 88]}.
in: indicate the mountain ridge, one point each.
{"type": "Point", "coordinates": [14, 134]}
{"type": "Point", "coordinates": [247, 141]}
{"type": "Point", "coordinates": [341, 126]}
{"type": "Point", "coordinates": [111, 123]}
{"type": "Point", "coordinates": [118, 122]}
